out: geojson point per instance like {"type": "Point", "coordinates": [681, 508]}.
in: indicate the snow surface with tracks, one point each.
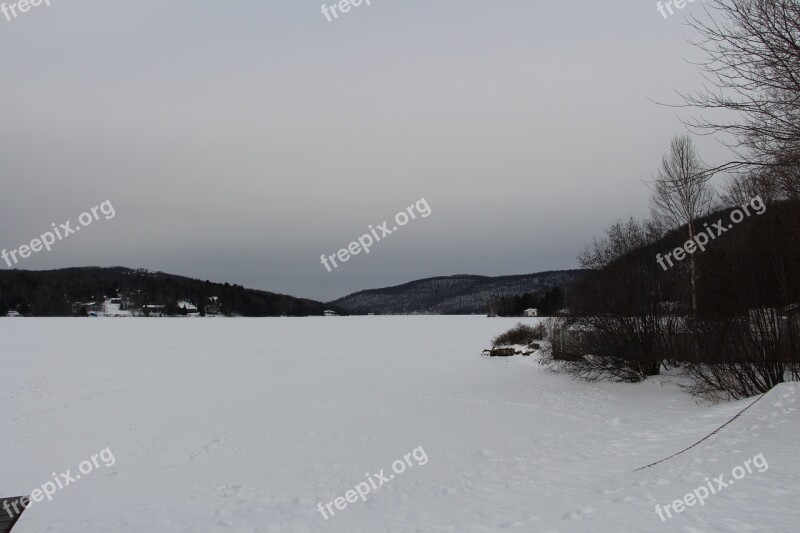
{"type": "Point", "coordinates": [244, 425]}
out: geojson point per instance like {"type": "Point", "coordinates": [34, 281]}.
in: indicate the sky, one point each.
{"type": "Point", "coordinates": [239, 141]}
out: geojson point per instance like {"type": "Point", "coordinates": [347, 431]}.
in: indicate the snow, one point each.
{"type": "Point", "coordinates": [112, 309]}
{"type": "Point", "coordinates": [246, 425]}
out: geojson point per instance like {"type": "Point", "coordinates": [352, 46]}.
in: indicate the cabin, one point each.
{"type": "Point", "coordinates": [331, 313]}
{"type": "Point", "coordinates": [531, 312]}
{"type": "Point", "coordinates": [87, 308]}
{"type": "Point", "coordinates": [153, 310]}
{"type": "Point", "coordinates": [188, 309]}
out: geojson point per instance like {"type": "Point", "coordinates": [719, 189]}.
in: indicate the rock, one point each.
{"type": "Point", "coordinates": [501, 352]}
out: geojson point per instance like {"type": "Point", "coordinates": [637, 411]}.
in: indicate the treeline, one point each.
{"type": "Point", "coordinates": [710, 281]}
{"type": "Point", "coordinates": [57, 293]}
{"type": "Point", "coordinates": [547, 303]}
{"type": "Point", "coordinates": [736, 329]}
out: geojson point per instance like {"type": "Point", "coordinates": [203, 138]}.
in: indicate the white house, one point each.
{"type": "Point", "coordinates": [531, 312]}
{"type": "Point", "coordinates": [331, 313]}
{"type": "Point", "coordinates": [189, 308]}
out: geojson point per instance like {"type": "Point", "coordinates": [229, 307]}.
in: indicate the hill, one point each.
{"type": "Point", "coordinates": [454, 295]}
{"type": "Point", "coordinates": [76, 291]}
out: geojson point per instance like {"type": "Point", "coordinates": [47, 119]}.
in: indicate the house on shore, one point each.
{"type": "Point", "coordinates": [188, 309]}
{"type": "Point", "coordinates": [153, 310]}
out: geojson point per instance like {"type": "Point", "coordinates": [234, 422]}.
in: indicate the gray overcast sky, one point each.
{"type": "Point", "coordinates": [240, 140]}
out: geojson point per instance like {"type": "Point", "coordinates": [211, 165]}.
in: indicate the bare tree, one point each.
{"type": "Point", "coordinates": [742, 188]}
{"type": "Point", "coordinates": [618, 327]}
{"type": "Point", "coordinates": [622, 238]}
{"type": "Point", "coordinates": [681, 194]}
{"type": "Point", "coordinates": [752, 69]}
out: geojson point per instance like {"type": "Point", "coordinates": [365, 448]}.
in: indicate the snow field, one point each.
{"type": "Point", "coordinates": [245, 425]}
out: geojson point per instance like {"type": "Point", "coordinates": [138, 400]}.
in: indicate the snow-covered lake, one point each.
{"type": "Point", "coordinates": [245, 425]}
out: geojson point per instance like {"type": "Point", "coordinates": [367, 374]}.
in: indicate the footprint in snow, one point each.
{"type": "Point", "coordinates": [578, 513]}
{"type": "Point", "coordinates": [208, 449]}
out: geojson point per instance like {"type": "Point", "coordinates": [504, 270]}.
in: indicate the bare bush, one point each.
{"type": "Point", "coordinates": [626, 348]}
{"type": "Point", "coordinates": [745, 357]}
{"type": "Point", "coordinates": [520, 334]}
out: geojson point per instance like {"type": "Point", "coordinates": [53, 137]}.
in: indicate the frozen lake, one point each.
{"type": "Point", "coordinates": [246, 425]}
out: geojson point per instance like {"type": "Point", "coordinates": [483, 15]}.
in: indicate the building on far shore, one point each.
{"type": "Point", "coordinates": [153, 310]}
{"type": "Point", "coordinates": [188, 309]}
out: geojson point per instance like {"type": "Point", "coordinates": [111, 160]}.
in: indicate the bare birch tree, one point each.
{"type": "Point", "coordinates": [681, 194]}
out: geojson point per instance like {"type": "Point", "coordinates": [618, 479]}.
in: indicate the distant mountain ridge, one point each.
{"type": "Point", "coordinates": [453, 295]}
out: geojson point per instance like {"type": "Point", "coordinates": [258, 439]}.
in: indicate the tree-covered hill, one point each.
{"type": "Point", "coordinates": [60, 293]}
{"type": "Point", "coordinates": [454, 295]}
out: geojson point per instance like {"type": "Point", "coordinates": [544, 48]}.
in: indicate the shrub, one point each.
{"type": "Point", "coordinates": [520, 334]}
{"type": "Point", "coordinates": [610, 348]}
